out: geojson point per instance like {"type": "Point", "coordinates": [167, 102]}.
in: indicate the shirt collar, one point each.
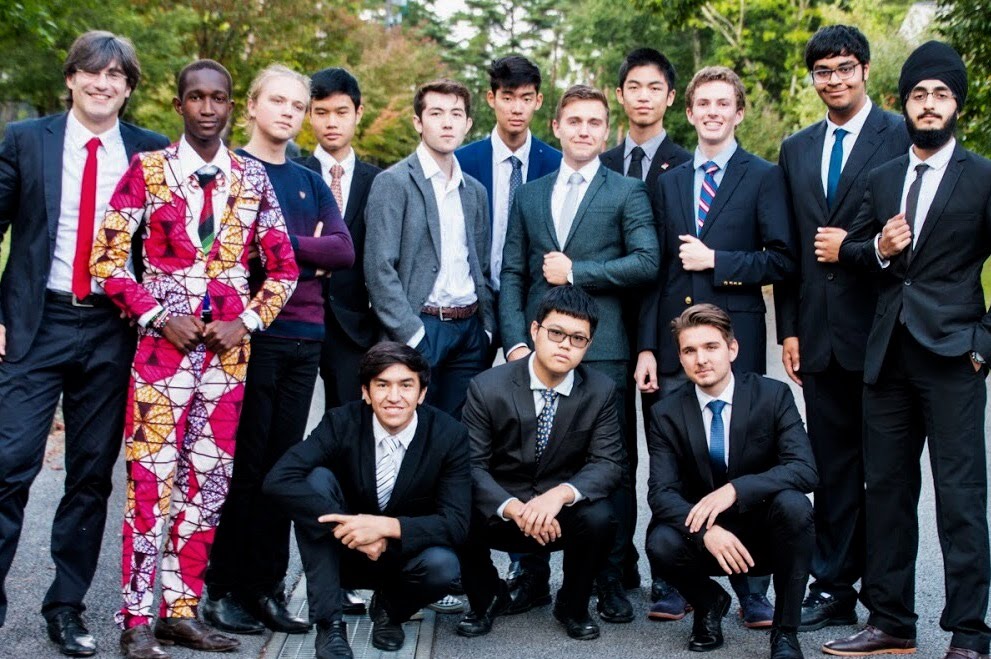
{"type": "Point", "coordinates": [856, 123]}
{"type": "Point", "coordinates": [431, 168]}
{"type": "Point", "coordinates": [77, 135]}
{"type": "Point", "coordinates": [563, 387]}
{"type": "Point", "coordinates": [721, 158]}
{"type": "Point", "coordinates": [726, 396]}
{"type": "Point", "coordinates": [649, 147]}
{"type": "Point", "coordinates": [588, 171]}
{"type": "Point", "coordinates": [501, 152]}
{"type": "Point", "coordinates": [938, 160]}
{"type": "Point", "coordinates": [404, 436]}
{"type": "Point", "coordinates": [327, 161]}
{"type": "Point", "coordinates": [190, 161]}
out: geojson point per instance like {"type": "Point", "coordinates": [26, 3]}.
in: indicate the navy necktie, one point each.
{"type": "Point", "coordinates": [545, 421]}
{"type": "Point", "coordinates": [636, 163]}
{"type": "Point", "coordinates": [717, 441]}
{"type": "Point", "coordinates": [515, 179]}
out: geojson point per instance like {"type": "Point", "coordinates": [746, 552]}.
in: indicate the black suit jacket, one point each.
{"type": "Point", "coordinates": [30, 203]}
{"type": "Point", "coordinates": [585, 448]}
{"type": "Point", "coordinates": [749, 228]}
{"type": "Point", "coordinates": [769, 450]}
{"type": "Point", "coordinates": [347, 297]}
{"type": "Point", "coordinates": [432, 494]}
{"type": "Point", "coordinates": [938, 283]}
{"type": "Point", "coordinates": [668, 156]}
{"type": "Point", "coordinates": [829, 306]}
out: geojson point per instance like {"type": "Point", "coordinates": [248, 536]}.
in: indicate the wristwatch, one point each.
{"type": "Point", "coordinates": [977, 357]}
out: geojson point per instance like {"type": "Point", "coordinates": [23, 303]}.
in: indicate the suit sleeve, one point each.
{"type": "Point", "coordinates": [448, 526]}
{"type": "Point", "coordinates": [332, 249]}
{"type": "Point", "coordinates": [513, 278]}
{"type": "Point", "coordinates": [606, 453]}
{"type": "Point", "coordinates": [795, 468]}
{"type": "Point", "coordinates": [483, 247]}
{"type": "Point", "coordinates": [776, 260]}
{"type": "Point", "coordinates": [275, 250]}
{"type": "Point", "coordinates": [640, 262]}
{"type": "Point", "coordinates": [10, 169]}
{"type": "Point", "coordinates": [649, 310]}
{"type": "Point", "coordinates": [384, 219]}
{"type": "Point", "coordinates": [488, 495]}
{"type": "Point", "coordinates": [664, 485]}
{"type": "Point", "coordinates": [858, 246]}
{"type": "Point", "coordinates": [786, 292]}
{"type": "Point", "coordinates": [982, 333]}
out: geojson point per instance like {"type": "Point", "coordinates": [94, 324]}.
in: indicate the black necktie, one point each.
{"type": "Point", "coordinates": [912, 201]}
{"type": "Point", "coordinates": [636, 163]}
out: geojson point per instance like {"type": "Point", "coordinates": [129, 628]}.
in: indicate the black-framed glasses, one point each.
{"type": "Point", "coordinates": [557, 336]}
{"type": "Point", "coordinates": [843, 72]}
{"type": "Point", "coordinates": [921, 95]}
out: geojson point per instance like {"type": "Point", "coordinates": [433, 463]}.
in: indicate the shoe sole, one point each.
{"type": "Point", "coordinates": [666, 616]}
{"type": "Point", "coordinates": [839, 653]}
{"type": "Point", "coordinates": [540, 601]}
{"type": "Point", "coordinates": [446, 609]}
{"type": "Point", "coordinates": [459, 632]}
{"type": "Point", "coordinates": [616, 620]}
{"type": "Point", "coordinates": [760, 624]}
{"type": "Point", "coordinates": [829, 622]}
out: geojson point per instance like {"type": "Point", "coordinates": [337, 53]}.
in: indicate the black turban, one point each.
{"type": "Point", "coordinates": [934, 60]}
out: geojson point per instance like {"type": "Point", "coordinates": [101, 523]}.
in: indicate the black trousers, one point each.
{"type": "Point", "coordinates": [834, 413]}
{"type": "Point", "coordinates": [456, 350]}
{"type": "Point", "coordinates": [339, 362]}
{"type": "Point", "coordinates": [404, 584]}
{"type": "Point", "coordinates": [920, 394]}
{"type": "Point", "coordinates": [780, 537]}
{"type": "Point", "coordinates": [587, 530]}
{"type": "Point", "coordinates": [250, 553]}
{"type": "Point", "coordinates": [83, 355]}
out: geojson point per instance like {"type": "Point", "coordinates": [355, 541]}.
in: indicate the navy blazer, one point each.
{"type": "Point", "coordinates": [30, 203]}
{"type": "Point", "coordinates": [476, 160]}
{"type": "Point", "coordinates": [749, 228]}
{"type": "Point", "coordinates": [829, 306]}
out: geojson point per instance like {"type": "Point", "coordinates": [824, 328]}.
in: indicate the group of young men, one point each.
{"type": "Point", "coordinates": [600, 274]}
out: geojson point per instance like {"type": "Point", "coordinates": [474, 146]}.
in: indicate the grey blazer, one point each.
{"type": "Point", "coordinates": [403, 251]}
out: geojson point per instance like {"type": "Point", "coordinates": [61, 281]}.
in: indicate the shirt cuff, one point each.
{"type": "Point", "coordinates": [489, 334]}
{"type": "Point", "coordinates": [251, 320]}
{"type": "Point", "coordinates": [574, 490]}
{"type": "Point", "coordinates": [884, 263]}
{"type": "Point", "coordinates": [518, 345]}
{"type": "Point", "coordinates": [417, 337]}
{"type": "Point", "coordinates": [146, 317]}
{"type": "Point", "coordinates": [501, 509]}
{"type": "Point", "coordinates": [571, 277]}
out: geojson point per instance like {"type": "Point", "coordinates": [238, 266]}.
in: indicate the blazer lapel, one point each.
{"type": "Point", "coordinates": [526, 412]}
{"type": "Point", "coordinates": [367, 478]}
{"type": "Point", "coordinates": [867, 144]}
{"type": "Point", "coordinates": [564, 418]}
{"type": "Point", "coordinates": [661, 161]}
{"type": "Point", "coordinates": [812, 161]}
{"type": "Point", "coordinates": [357, 185]}
{"type": "Point", "coordinates": [736, 169]}
{"type": "Point", "coordinates": [429, 201]}
{"type": "Point", "coordinates": [229, 216]}
{"type": "Point", "coordinates": [53, 143]}
{"type": "Point", "coordinates": [943, 194]}
{"type": "Point", "coordinates": [696, 435]}
{"type": "Point", "coordinates": [410, 467]}
{"type": "Point", "coordinates": [487, 180]}
{"type": "Point", "coordinates": [545, 207]}
{"type": "Point", "coordinates": [686, 188]}
{"type": "Point", "coordinates": [593, 188]}
{"type": "Point", "coordinates": [738, 425]}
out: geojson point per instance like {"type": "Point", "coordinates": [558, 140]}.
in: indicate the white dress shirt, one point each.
{"type": "Point", "coordinates": [854, 128]}
{"type": "Point", "coordinates": [190, 162]}
{"type": "Point", "coordinates": [502, 170]}
{"type": "Point", "coordinates": [721, 159]}
{"type": "Point", "coordinates": [649, 150]}
{"type": "Point", "coordinates": [404, 437]}
{"type": "Point", "coordinates": [111, 160]}
{"type": "Point", "coordinates": [727, 397]}
{"type": "Point", "coordinates": [326, 162]}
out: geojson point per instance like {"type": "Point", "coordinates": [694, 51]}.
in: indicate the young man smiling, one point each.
{"type": "Point", "coordinates": [201, 209]}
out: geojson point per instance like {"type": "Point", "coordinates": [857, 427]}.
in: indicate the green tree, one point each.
{"type": "Point", "coordinates": [967, 24]}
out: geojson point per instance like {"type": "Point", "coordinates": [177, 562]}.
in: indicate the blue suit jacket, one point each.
{"type": "Point", "coordinates": [476, 160]}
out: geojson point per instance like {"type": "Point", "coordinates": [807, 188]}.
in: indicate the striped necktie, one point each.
{"type": "Point", "coordinates": [386, 470]}
{"type": "Point", "coordinates": [707, 193]}
{"type": "Point", "coordinates": [207, 177]}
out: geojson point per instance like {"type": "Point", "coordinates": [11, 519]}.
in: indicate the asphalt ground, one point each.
{"type": "Point", "coordinates": [535, 634]}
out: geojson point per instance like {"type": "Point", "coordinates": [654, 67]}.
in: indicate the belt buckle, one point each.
{"type": "Point", "coordinates": [76, 302]}
{"type": "Point", "coordinates": [440, 314]}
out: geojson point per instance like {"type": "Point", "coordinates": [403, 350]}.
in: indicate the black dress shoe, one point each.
{"type": "Point", "coordinates": [613, 605]}
{"type": "Point", "coordinates": [478, 623]}
{"type": "Point", "coordinates": [707, 626]}
{"type": "Point", "coordinates": [529, 592]}
{"type": "Point", "coordinates": [514, 572]}
{"type": "Point", "coordinates": [577, 623]}
{"type": "Point", "coordinates": [227, 615]}
{"type": "Point", "coordinates": [140, 643]}
{"type": "Point", "coordinates": [353, 603]}
{"type": "Point", "coordinates": [332, 641]}
{"type": "Point", "coordinates": [823, 610]}
{"type": "Point", "coordinates": [785, 645]}
{"type": "Point", "coordinates": [271, 611]}
{"type": "Point", "coordinates": [67, 631]}
{"type": "Point", "coordinates": [387, 635]}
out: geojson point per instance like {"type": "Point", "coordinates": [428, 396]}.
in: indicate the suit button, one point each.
{"type": "Point", "coordinates": [688, 300]}
{"type": "Point", "coordinates": [908, 282]}
{"type": "Point", "coordinates": [831, 276]}
{"type": "Point", "coordinates": [330, 297]}
{"type": "Point", "coordinates": [435, 268]}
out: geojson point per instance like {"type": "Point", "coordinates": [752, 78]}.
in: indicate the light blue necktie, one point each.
{"type": "Point", "coordinates": [835, 165]}
{"type": "Point", "coordinates": [717, 441]}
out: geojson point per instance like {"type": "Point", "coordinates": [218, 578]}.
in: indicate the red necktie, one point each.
{"type": "Point", "coordinates": [81, 286]}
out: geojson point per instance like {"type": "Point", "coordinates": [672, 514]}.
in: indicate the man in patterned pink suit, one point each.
{"type": "Point", "coordinates": [200, 210]}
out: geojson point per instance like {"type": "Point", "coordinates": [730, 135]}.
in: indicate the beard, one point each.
{"type": "Point", "coordinates": [930, 139]}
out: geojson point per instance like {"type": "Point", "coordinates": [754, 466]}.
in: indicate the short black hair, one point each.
{"type": "Point", "coordinates": [334, 80]}
{"type": "Point", "coordinates": [837, 40]}
{"type": "Point", "coordinates": [200, 65]}
{"type": "Point", "coordinates": [570, 301]}
{"type": "Point", "coordinates": [512, 72]}
{"type": "Point", "coordinates": [389, 353]}
{"type": "Point", "coordinates": [94, 51]}
{"type": "Point", "coordinates": [647, 57]}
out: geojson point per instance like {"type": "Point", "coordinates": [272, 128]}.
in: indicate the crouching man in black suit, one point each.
{"type": "Point", "coordinates": [380, 493]}
{"type": "Point", "coordinates": [730, 464]}
{"type": "Point", "coordinates": [546, 453]}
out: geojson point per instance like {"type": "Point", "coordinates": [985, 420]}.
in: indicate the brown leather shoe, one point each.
{"type": "Point", "coordinates": [191, 633]}
{"type": "Point", "coordinates": [140, 643]}
{"type": "Point", "coordinates": [869, 641]}
{"type": "Point", "coordinates": [961, 653]}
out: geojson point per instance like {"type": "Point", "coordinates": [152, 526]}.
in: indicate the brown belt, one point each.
{"type": "Point", "coordinates": [451, 313]}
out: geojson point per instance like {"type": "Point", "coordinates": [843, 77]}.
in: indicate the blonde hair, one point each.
{"type": "Point", "coordinates": [717, 74]}
{"type": "Point", "coordinates": [271, 72]}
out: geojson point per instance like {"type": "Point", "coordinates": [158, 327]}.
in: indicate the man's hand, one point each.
{"type": "Point", "coordinates": [518, 353]}
{"type": "Point", "coordinates": [222, 335]}
{"type": "Point", "coordinates": [695, 256]}
{"type": "Point", "coordinates": [556, 268]}
{"type": "Point", "coordinates": [359, 530]}
{"type": "Point", "coordinates": [646, 372]}
{"type": "Point", "coordinates": [184, 332]}
{"type": "Point", "coordinates": [711, 505]}
{"type": "Point", "coordinates": [827, 244]}
{"type": "Point", "coordinates": [790, 358]}
{"type": "Point", "coordinates": [374, 549]}
{"type": "Point", "coordinates": [549, 533]}
{"type": "Point", "coordinates": [3, 342]}
{"type": "Point", "coordinates": [895, 236]}
{"type": "Point", "coordinates": [317, 231]}
{"type": "Point", "coordinates": [732, 556]}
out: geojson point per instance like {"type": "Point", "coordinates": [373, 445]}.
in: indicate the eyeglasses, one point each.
{"type": "Point", "coordinates": [557, 336]}
{"type": "Point", "coordinates": [921, 95]}
{"type": "Point", "coordinates": [113, 75]}
{"type": "Point", "coordinates": [843, 72]}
